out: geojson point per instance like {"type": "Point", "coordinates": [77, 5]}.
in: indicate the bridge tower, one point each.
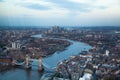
{"type": "Point", "coordinates": [40, 66]}
{"type": "Point", "coordinates": [27, 62]}
{"type": "Point", "coordinates": [13, 62]}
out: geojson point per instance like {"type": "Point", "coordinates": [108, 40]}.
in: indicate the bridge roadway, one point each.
{"type": "Point", "coordinates": [34, 64]}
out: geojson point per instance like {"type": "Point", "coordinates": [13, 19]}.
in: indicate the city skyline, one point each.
{"type": "Point", "coordinates": [62, 13]}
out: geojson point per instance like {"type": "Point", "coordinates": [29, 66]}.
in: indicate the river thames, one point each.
{"type": "Point", "coordinates": [49, 63]}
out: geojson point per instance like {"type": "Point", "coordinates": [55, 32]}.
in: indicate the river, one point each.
{"type": "Point", "coordinates": [49, 62]}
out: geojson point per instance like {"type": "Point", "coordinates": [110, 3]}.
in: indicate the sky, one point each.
{"type": "Point", "coordinates": [60, 12]}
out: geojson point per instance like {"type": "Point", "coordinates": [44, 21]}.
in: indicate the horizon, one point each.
{"type": "Point", "coordinates": [82, 27]}
{"type": "Point", "coordinates": [62, 13]}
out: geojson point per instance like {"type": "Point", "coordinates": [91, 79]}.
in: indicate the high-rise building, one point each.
{"type": "Point", "coordinates": [13, 45]}
{"type": "Point", "coordinates": [16, 45]}
{"type": "Point", "coordinates": [107, 53]}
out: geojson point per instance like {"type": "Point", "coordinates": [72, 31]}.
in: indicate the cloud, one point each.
{"type": "Point", "coordinates": [99, 4]}
{"type": "Point", "coordinates": [82, 1]}
{"type": "Point", "coordinates": [33, 4]}
{"type": "Point", "coordinates": [83, 5]}
{"type": "Point", "coordinates": [52, 12]}
{"type": "Point", "coordinates": [2, 0]}
{"type": "Point", "coordinates": [36, 6]}
{"type": "Point", "coordinates": [71, 6]}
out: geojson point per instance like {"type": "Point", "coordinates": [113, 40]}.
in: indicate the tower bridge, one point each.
{"type": "Point", "coordinates": [31, 63]}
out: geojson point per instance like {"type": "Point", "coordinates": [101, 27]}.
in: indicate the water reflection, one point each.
{"type": "Point", "coordinates": [33, 75]}
{"type": "Point", "coordinates": [28, 74]}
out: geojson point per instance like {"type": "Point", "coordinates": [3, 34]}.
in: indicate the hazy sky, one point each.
{"type": "Point", "coordinates": [59, 12]}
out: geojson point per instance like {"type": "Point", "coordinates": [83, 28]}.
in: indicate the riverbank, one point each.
{"type": "Point", "coordinates": [100, 62]}
{"type": "Point", "coordinates": [37, 47]}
